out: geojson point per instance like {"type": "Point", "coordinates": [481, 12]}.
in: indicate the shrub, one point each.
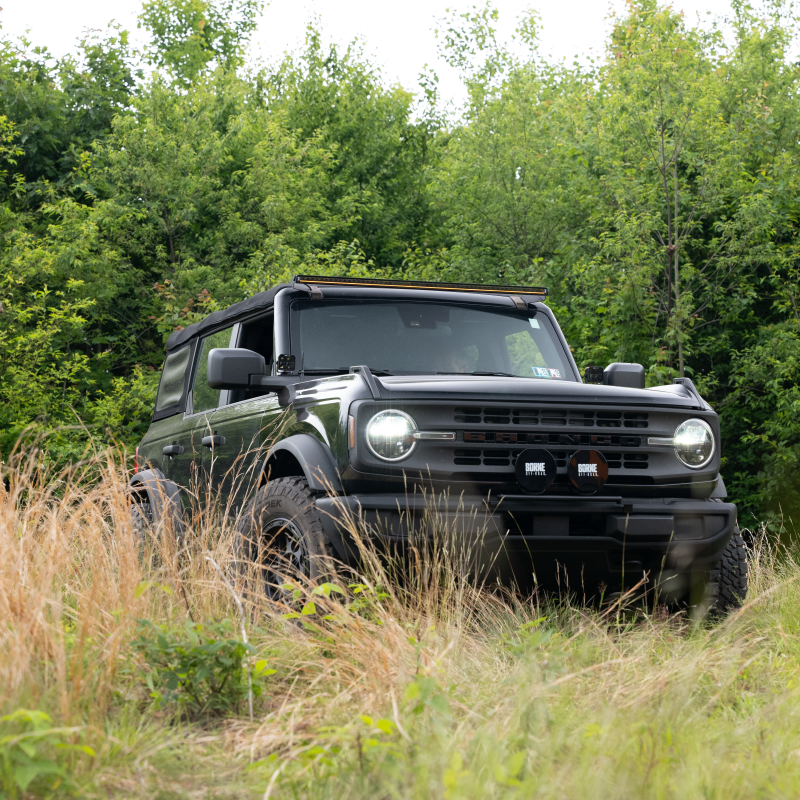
{"type": "Point", "coordinates": [199, 667]}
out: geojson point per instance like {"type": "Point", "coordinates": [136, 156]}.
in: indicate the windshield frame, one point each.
{"type": "Point", "coordinates": [492, 304]}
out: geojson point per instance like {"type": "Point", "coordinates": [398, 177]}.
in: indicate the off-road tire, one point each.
{"type": "Point", "coordinates": [279, 501]}
{"type": "Point", "coordinates": [142, 518]}
{"type": "Point", "coordinates": [730, 576]}
{"type": "Point", "coordinates": [142, 523]}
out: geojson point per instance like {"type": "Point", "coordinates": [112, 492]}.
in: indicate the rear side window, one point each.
{"type": "Point", "coordinates": [173, 381]}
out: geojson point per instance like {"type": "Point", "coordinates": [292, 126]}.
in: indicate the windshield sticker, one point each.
{"type": "Point", "coordinates": [555, 373]}
{"type": "Point", "coordinates": [541, 372]}
{"type": "Point", "coordinates": [534, 323]}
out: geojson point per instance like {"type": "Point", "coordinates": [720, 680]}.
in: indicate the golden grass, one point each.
{"type": "Point", "coordinates": [437, 688]}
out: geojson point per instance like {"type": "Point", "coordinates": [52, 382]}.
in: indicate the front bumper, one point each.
{"type": "Point", "coordinates": [586, 542]}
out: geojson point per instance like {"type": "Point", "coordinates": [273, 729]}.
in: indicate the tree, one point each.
{"type": "Point", "coordinates": [188, 35]}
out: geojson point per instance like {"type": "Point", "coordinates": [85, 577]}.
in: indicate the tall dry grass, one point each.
{"type": "Point", "coordinates": [429, 686]}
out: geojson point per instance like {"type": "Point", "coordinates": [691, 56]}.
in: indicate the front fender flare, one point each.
{"type": "Point", "coordinates": [315, 459]}
{"type": "Point", "coordinates": [164, 497]}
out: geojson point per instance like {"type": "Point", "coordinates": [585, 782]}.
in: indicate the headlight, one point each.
{"type": "Point", "coordinates": [390, 435]}
{"type": "Point", "coordinates": [694, 443]}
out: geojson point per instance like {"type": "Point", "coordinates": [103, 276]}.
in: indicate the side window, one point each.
{"type": "Point", "coordinates": [204, 398]}
{"type": "Point", "coordinates": [173, 379]}
{"type": "Point", "coordinates": [258, 337]}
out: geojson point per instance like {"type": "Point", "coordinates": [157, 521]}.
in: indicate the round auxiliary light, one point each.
{"type": "Point", "coordinates": [694, 443]}
{"type": "Point", "coordinates": [390, 435]}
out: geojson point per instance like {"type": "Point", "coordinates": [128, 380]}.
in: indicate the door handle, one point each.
{"type": "Point", "coordinates": [212, 441]}
{"type": "Point", "coordinates": [173, 450]}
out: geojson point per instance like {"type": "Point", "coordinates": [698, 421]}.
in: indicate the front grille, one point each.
{"type": "Point", "coordinates": [556, 417]}
{"type": "Point", "coordinates": [490, 438]}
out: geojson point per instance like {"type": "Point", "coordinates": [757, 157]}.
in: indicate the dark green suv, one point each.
{"type": "Point", "coordinates": [330, 399]}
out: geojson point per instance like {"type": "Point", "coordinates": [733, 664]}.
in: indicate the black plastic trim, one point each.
{"type": "Point", "coordinates": [315, 459]}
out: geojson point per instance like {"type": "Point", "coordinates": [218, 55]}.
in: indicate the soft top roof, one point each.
{"type": "Point", "coordinates": [229, 314]}
{"type": "Point", "coordinates": [312, 282]}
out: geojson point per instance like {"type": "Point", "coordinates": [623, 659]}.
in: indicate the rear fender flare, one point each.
{"type": "Point", "coordinates": [314, 457]}
{"type": "Point", "coordinates": [164, 497]}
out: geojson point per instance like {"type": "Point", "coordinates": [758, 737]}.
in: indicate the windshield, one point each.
{"type": "Point", "coordinates": [423, 338]}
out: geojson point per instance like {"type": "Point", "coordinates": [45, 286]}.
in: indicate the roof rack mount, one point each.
{"type": "Point", "coordinates": [326, 280]}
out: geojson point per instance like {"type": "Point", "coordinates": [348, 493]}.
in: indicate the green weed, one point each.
{"type": "Point", "coordinates": [198, 668]}
{"type": "Point", "coordinates": [36, 757]}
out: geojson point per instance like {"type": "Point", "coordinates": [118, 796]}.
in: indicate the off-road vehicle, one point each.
{"type": "Point", "coordinates": [326, 400]}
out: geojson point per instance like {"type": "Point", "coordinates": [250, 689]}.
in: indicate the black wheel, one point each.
{"type": "Point", "coordinates": [281, 531]}
{"type": "Point", "coordinates": [729, 576]}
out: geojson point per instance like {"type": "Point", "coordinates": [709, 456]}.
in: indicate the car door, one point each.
{"type": "Point", "coordinates": [244, 422]}
{"type": "Point", "coordinates": [185, 452]}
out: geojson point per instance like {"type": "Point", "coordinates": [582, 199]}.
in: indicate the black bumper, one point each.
{"type": "Point", "coordinates": [585, 542]}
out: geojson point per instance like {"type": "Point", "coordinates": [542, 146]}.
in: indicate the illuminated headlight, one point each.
{"type": "Point", "coordinates": [694, 443]}
{"type": "Point", "coordinates": [390, 435]}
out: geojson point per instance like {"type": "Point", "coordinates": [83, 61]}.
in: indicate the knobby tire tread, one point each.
{"type": "Point", "coordinates": [730, 575]}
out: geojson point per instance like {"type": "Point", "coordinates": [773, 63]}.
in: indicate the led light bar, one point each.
{"type": "Point", "coordinates": [323, 280]}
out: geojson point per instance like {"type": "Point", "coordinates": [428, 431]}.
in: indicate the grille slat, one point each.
{"type": "Point", "coordinates": [565, 439]}
{"type": "Point", "coordinates": [556, 417]}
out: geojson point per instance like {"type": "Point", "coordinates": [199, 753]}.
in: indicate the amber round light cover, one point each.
{"type": "Point", "coordinates": [588, 471]}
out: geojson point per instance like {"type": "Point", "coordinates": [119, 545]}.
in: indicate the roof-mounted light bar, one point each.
{"type": "Point", "coordinates": [322, 280]}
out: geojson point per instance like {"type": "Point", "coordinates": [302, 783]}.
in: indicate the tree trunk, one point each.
{"type": "Point", "coordinates": [676, 262]}
{"type": "Point", "coordinates": [677, 315]}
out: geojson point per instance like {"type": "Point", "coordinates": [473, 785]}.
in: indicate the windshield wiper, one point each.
{"type": "Point", "coordinates": [490, 374]}
{"type": "Point", "coordinates": [331, 371]}
{"type": "Point", "coordinates": [341, 371]}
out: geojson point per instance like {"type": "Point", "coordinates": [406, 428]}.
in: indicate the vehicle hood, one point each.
{"type": "Point", "coordinates": [530, 390]}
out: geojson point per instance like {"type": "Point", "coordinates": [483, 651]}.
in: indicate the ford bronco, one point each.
{"type": "Point", "coordinates": [328, 399]}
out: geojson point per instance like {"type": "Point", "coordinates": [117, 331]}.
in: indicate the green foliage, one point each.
{"type": "Point", "coordinates": [35, 757]}
{"type": "Point", "coordinates": [198, 669]}
{"type": "Point", "coordinates": [60, 108]}
{"type": "Point", "coordinates": [378, 186]}
{"type": "Point", "coordinates": [188, 34]}
{"type": "Point", "coordinates": [123, 414]}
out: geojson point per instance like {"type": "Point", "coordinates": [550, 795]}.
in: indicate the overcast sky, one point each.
{"type": "Point", "coordinates": [400, 35]}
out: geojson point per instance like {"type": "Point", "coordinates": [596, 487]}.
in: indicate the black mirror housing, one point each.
{"type": "Point", "coordinates": [631, 376]}
{"type": "Point", "coordinates": [231, 367]}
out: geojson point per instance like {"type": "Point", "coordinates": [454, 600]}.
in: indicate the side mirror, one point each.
{"type": "Point", "coordinates": [231, 367]}
{"type": "Point", "coordinates": [631, 376]}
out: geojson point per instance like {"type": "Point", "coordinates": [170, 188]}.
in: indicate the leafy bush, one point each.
{"type": "Point", "coordinates": [199, 667]}
{"type": "Point", "coordinates": [33, 755]}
